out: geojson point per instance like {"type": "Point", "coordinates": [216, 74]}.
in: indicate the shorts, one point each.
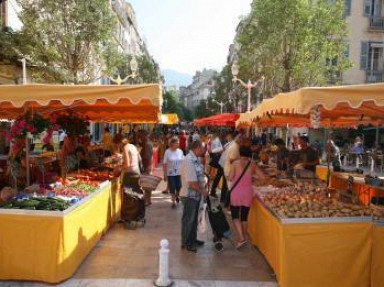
{"type": "Point", "coordinates": [240, 212]}
{"type": "Point", "coordinates": [174, 184]}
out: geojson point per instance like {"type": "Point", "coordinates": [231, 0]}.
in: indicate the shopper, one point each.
{"type": "Point", "coordinates": [216, 149]}
{"type": "Point", "coordinates": [241, 195]}
{"type": "Point", "coordinates": [193, 180]}
{"type": "Point", "coordinates": [173, 158]}
{"type": "Point", "coordinates": [146, 152]}
{"type": "Point", "coordinates": [183, 142]}
{"type": "Point", "coordinates": [131, 163]}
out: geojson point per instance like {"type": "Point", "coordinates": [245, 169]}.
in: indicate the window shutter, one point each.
{"type": "Point", "coordinates": [347, 7]}
{"type": "Point", "coordinates": [368, 7]}
{"type": "Point", "coordinates": [364, 55]}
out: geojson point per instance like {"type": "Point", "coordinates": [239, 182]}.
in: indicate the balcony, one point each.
{"type": "Point", "coordinates": [374, 76]}
{"type": "Point", "coordinates": [376, 23]}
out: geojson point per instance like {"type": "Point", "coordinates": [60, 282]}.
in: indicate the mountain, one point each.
{"type": "Point", "coordinates": [175, 78]}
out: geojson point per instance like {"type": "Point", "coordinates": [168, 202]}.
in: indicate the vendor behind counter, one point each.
{"type": "Point", "coordinates": [308, 156]}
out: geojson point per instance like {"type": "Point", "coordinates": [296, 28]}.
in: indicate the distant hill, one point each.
{"type": "Point", "coordinates": [174, 78]}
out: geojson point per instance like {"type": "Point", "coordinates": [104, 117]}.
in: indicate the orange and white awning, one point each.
{"type": "Point", "coordinates": [137, 103]}
{"type": "Point", "coordinates": [341, 106]}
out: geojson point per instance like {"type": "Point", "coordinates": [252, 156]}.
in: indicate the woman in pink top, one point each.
{"type": "Point", "coordinates": [242, 193]}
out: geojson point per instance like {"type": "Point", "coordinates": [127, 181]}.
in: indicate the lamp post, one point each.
{"type": "Point", "coordinates": [221, 104]}
{"type": "Point", "coordinates": [249, 85]}
{"type": "Point", "coordinates": [133, 65]}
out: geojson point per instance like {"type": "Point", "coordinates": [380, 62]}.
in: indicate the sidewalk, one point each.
{"type": "Point", "coordinates": [130, 257]}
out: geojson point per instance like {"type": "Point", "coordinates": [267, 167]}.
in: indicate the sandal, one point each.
{"type": "Point", "coordinates": [239, 244]}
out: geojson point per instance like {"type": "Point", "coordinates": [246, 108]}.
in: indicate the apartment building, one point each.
{"type": "Point", "coordinates": [10, 71]}
{"type": "Point", "coordinates": [201, 88]}
{"type": "Point", "coordinates": [366, 41]}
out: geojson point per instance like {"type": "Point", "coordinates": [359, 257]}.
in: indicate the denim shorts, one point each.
{"type": "Point", "coordinates": [174, 184]}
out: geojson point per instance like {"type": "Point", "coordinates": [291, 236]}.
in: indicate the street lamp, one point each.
{"type": "Point", "coordinates": [221, 104]}
{"type": "Point", "coordinates": [249, 85]}
{"type": "Point", "coordinates": [133, 65]}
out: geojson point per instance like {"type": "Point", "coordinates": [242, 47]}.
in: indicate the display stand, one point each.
{"type": "Point", "coordinates": [314, 252]}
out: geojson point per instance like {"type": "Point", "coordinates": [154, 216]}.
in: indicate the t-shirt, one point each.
{"type": "Point", "coordinates": [183, 142]}
{"type": "Point", "coordinates": [216, 146]}
{"type": "Point", "coordinates": [191, 171]}
{"type": "Point", "coordinates": [173, 160]}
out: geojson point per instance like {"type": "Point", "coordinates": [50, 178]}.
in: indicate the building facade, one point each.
{"type": "Point", "coordinates": [10, 71]}
{"type": "Point", "coordinates": [201, 88]}
{"type": "Point", "coordinates": [366, 41]}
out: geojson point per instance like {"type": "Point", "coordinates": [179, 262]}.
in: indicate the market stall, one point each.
{"type": "Point", "coordinates": [313, 252]}
{"type": "Point", "coordinates": [228, 120]}
{"type": "Point", "coordinates": [169, 119]}
{"type": "Point", "coordinates": [321, 246]}
{"type": "Point", "coordinates": [52, 229]}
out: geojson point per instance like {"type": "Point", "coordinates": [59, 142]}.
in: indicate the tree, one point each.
{"type": "Point", "coordinates": [73, 38]}
{"type": "Point", "coordinates": [291, 42]}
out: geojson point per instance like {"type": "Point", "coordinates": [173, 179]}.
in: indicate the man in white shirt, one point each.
{"type": "Point", "coordinates": [215, 152]}
{"type": "Point", "coordinates": [230, 154]}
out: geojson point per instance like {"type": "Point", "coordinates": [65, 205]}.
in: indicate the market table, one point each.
{"type": "Point", "coordinates": [49, 246]}
{"type": "Point", "coordinates": [365, 192]}
{"type": "Point", "coordinates": [377, 270]}
{"type": "Point", "coordinates": [315, 252]}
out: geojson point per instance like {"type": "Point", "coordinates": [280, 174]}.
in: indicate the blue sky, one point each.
{"type": "Point", "coordinates": [189, 35]}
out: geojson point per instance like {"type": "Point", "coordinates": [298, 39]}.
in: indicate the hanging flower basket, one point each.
{"type": "Point", "coordinates": [32, 123]}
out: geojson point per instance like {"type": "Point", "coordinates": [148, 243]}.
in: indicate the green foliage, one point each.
{"type": "Point", "coordinates": [204, 109]}
{"type": "Point", "coordinates": [290, 42]}
{"type": "Point", "coordinates": [71, 38]}
{"type": "Point", "coordinates": [171, 105]}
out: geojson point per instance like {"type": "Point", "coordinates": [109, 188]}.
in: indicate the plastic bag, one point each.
{"type": "Point", "coordinates": [202, 219]}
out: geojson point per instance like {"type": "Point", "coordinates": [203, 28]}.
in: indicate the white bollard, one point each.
{"type": "Point", "coordinates": [163, 279]}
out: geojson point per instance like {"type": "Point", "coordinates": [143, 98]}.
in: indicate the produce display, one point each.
{"type": "Point", "coordinates": [101, 174]}
{"type": "Point", "coordinates": [305, 200]}
{"type": "Point", "coordinates": [37, 203]}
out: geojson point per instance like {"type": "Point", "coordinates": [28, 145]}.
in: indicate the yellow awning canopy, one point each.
{"type": "Point", "coordinates": [102, 103]}
{"type": "Point", "coordinates": [169, 119]}
{"type": "Point", "coordinates": [339, 106]}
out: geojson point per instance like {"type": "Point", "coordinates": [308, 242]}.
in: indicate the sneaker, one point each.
{"type": "Point", "coordinates": [165, 192]}
{"type": "Point", "coordinates": [173, 206]}
{"type": "Point", "coordinates": [177, 199]}
{"type": "Point", "coordinates": [240, 244]}
{"type": "Point", "coordinates": [219, 246]}
{"type": "Point", "coordinates": [199, 243]}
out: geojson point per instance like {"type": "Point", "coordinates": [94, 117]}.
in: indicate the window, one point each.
{"type": "Point", "coordinates": [371, 56]}
{"type": "Point", "coordinates": [347, 7]}
{"type": "Point", "coordinates": [367, 7]}
{"type": "Point", "coordinates": [372, 8]}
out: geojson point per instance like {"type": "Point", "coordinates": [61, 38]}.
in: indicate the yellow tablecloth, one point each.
{"type": "Point", "coordinates": [313, 254]}
{"type": "Point", "coordinates": [50, 248]}
{"type": "Point", "coordinates": [377, 270]}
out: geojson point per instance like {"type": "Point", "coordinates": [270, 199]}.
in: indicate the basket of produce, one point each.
{"type": "Point", "coordinates": [149, 182]}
